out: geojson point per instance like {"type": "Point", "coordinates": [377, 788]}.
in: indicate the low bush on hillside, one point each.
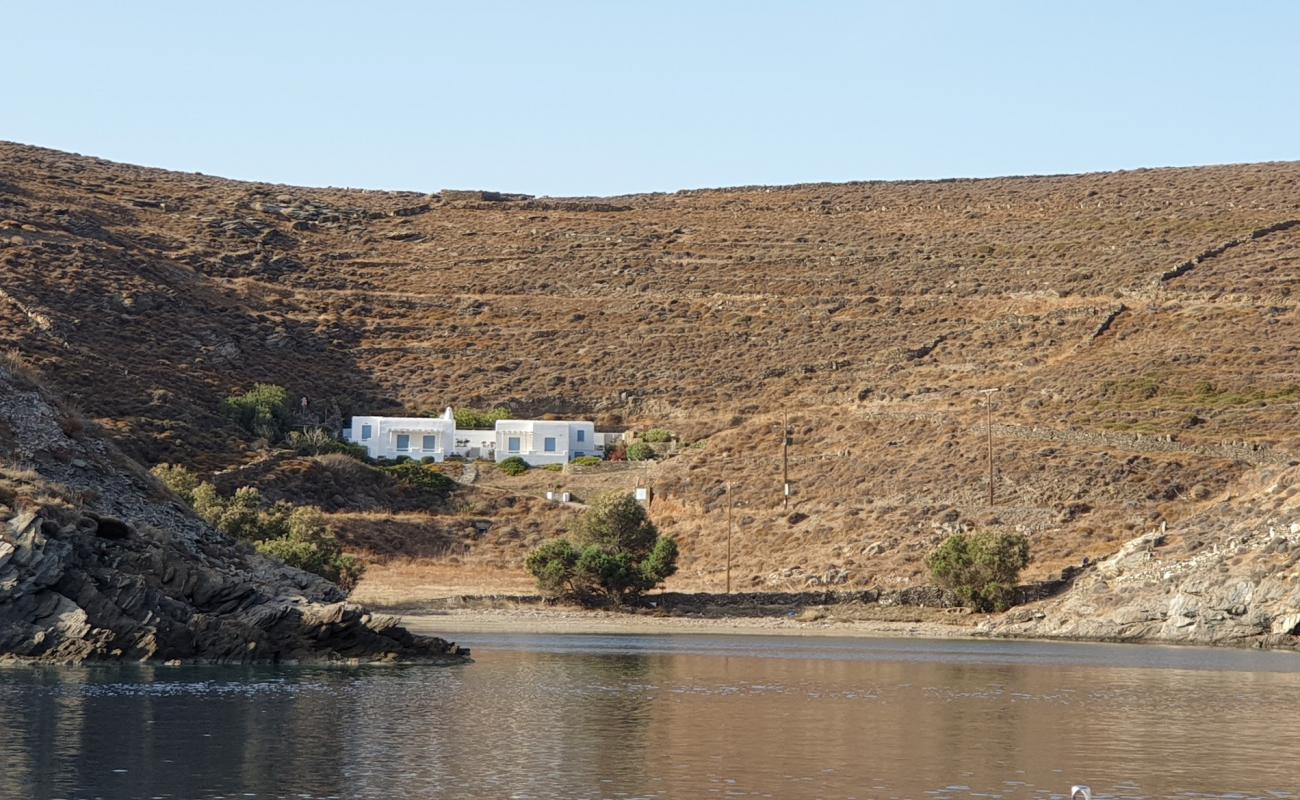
{"type": "Point", "coordinates": [514, 465]}
{"type": "Point", "coordinates": [301, 538]}
{"type": "Point", "coordinates": [478, 419]}
{"type": "Point", "coordinates": [422, 476]}
{"type": "Point", "coordinates": [982, 569]}
{"type": "Point", "coordinates": [616, 553]}
{"type": "Point", "coordinates": [297, 535]}
{"type": "Point", "coordinates": [658, 436]}
{"type": "Point", "coordinates": [640, 451]}
{"type": "Point", "coordinates": [318, 441]}
{"type": "Point", "coordinates": [587, 461]}
{"type": "Point", "coordinates": [262, 411]}
{"type": "Point", "coordinates": [553, 467]}
{"type": "Point", "coordinates": [617, 453]}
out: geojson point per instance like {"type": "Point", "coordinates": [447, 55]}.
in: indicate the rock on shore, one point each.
{"type": "Point", "coordinates": [1227, 575]}
{"type": "Point", "coordinates": [98, 561]}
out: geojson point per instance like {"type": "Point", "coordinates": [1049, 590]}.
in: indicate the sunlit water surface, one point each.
{"type": "Point", "coordinates": [670, 717]}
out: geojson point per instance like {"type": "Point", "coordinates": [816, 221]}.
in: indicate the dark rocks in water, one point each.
{"type": "Point", "coordinates": [99, 562]}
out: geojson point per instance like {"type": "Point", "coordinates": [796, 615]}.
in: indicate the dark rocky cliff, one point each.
{"type": "Point", "coordinates": [98, 561]}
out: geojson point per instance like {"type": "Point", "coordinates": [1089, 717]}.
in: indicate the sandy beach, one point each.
{"type": "Point", "coordinates": [453, 622]}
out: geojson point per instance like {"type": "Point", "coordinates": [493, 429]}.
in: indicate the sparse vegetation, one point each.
{"type": "Point", "coordinates": [658, 436]}
{"type": "Point", "coordinates": [981, 569]}
{"type": "Point", "coordinates": [262, 411]}
{"type": "Point", "coordinates": [616, 553]}
{"type": "Point", "coordinates": [514, 465]}
{"type": "Point", "coordinates": [318, 441]}
{"type": "Point", "coordinates": [302, 539]}
{"type": "Point", "coordinates": [422, 476]}
{"type": "Point", "coordinates": [587, 461]}
{"type": "Point", "coordinates": [477, 418]}
{"type": "Point", "coordinates": [297, 535]}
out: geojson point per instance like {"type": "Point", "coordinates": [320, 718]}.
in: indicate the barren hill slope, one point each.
{"type": "Point", "coordinates": [1141, 328]}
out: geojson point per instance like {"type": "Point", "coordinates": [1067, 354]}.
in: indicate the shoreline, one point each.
{"type": "Point", "coordinates": [452, 622]}
{"type": "Point", "coordinates": [534, 620]}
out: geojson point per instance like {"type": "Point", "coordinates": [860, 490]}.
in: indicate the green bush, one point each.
{"type": "Point", "coordinates": [514, 465]}
{"type": "Point", "coordinates": [981, 569]}
{"type": "Point", "coordinates": [640, 451]}
{"type": "Point", "coordinates": [658, 435]}
{"type": "Point", "coordinates": [553, 467]}
{"type": "Point", "coordinates": [587, 461]}
{"type": "Point", "coordinates": [318, 441]}
{"type": "Point", "coordinates": [616, 553]}
{"type": "Point", "coordinates": [421, 476]}
{"type": "Point", "coordinates": [262, 411]}
{"type": "Point", "coordinates": [552, 564]}
{"type": "Point", "coordinates": [238, 516]}
{"type": "Point", "coordinates": [478, 419]}
{"type": "Point", "coordinates": [297, 535]}
{"type": "Point", "coordinates": [306, 542]}
{"type": "Point", "coordinates": [180, 480]}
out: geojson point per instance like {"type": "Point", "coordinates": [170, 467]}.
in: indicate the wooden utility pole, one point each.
{"type": "Point", "coordinates": [728, 537]}
{"type": "Point", "coordinates": [785, 461]}
{"type": "Point", "coordinates": [988, 429]}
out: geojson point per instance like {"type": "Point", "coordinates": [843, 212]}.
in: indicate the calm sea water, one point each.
{"type": "Point", "coordinates": [670, 717]}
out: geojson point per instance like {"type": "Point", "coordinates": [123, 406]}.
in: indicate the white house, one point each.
{"type": "Point", "coordinates": [415, 437]}
{"type": "Point", "coordinates": [535, 441]}
{"type": "Point", "coordinates": [546, 441]}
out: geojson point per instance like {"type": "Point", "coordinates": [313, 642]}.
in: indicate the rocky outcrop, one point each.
{"type": "Point", "coordinates": [1229, 575]}
{"type": "Point", "coordinates": [98, 561]}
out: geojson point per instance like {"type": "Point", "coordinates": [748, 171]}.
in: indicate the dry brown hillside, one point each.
{"type": "Point", "coordinates": [1142, 329]}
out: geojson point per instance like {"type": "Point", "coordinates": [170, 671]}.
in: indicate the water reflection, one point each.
{"type": "Point", "coordinates": [649, 717]}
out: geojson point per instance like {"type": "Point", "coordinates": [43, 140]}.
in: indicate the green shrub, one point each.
{"type": "Point", "coordinates": [479, 419]}
{"type": "Point", "coordinates": [180, 480]}
{"type": "Point", "coordinates": [640, 451]}
{"type": "Point", "coordinates": [421, 476]}
{"type": "Point", "coordinates": [297, 535]}
{"type": "Point", "coordinates": [514, 465]}
{"type": "Point", "coordinates": [552, 564]}
{"type": "Point", "coordinates": [616, 553]}
{"type": "Point", "coordinates": [262, 411]}
{"type": "Point", "coordinates": [587, 461]}
{"type": "Point", "coordinates": [238, 516]}
{"type": "Point", "coordinates": [658, 435]}
{"type": "Point", "coordinates": [981, 569]}
{"type": "Point", "coordinates": [318, 441]}
{"type": "Point", "coordinates": [553, 467]}
{"type": "Point", "coordinates": [306, 542]}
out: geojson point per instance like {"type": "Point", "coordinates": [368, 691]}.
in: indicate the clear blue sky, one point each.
{"type": "Point", "coordinates": [601, 98]}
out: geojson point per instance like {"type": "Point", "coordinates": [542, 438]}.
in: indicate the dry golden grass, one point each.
{"type": "Point", "coordinates": [873, 313]}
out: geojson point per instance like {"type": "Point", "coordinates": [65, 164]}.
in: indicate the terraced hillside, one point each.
{"type": "Point", "coordinates": [1141, 329]}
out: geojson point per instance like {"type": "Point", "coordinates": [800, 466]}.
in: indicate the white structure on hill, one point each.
{"type": "Point", "coordinates": [535, 441]}
{"type": "Point", "coordinates": [416, 437]}
{"type": "Point", "coordinates": [545, 441]}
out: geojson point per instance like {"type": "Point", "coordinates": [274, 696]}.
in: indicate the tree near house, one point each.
{"type": "Point", "coordinates": [263, 411]}
{"type": "Point", "coordinates": [616, 553]}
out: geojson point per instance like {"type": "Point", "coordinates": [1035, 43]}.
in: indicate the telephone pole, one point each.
{"type": "Point", "coordinates": [785, 461]}
{"type": "Point", "coordinates": [988, 429]}
{"type": "Point", "coordinates": [728, 537]}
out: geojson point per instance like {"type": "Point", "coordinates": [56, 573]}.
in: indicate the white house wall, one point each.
{"type": "Point", "coordinates": [385, 436]}
{"type": "Point", "coordinates": [572, 438]}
